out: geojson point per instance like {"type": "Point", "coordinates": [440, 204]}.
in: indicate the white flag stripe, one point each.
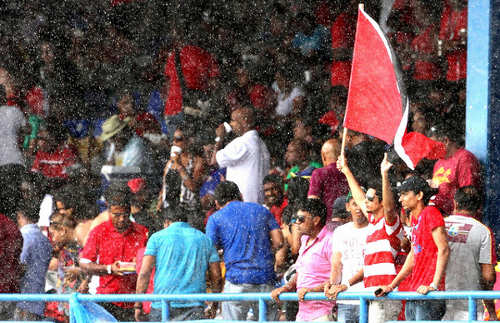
{"type": "Point", "coordinates": [398, 139]}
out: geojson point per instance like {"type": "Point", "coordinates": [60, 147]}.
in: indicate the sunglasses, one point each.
{"type": "Point", "coordinates": [370, 197]}
{"type": "Point", "coordinates": [298, 219]}
{"type": "Point", "coordinates": [55, 223]}
{"type": "Point", "coordinates": [178, 138]}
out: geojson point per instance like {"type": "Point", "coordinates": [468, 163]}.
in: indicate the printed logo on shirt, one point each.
{"type": "Point", "coordinates": [458, 232]}
{"type": "Point", "coordinates": [441, 176]}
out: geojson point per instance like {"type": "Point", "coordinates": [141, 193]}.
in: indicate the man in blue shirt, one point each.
{"type": "Point", "coordinates": [35, 258]}
{"type": "Point", "coordinates": [249, 236]}
{"type": "Point", "coordinates": [181, 256]}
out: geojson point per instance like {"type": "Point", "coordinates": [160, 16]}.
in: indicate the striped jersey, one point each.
{"type": "Point", "coordinates": [382, 246]}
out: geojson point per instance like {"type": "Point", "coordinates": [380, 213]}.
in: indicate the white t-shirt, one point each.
{"type": "Point", "coordinates": [285, 103]}
{"type": "Point", "coordinates": [350, 242]}
{"type": "Point", "coordinates": [247, 162]}
{"type": "Point", "coordinates": [11, 121]}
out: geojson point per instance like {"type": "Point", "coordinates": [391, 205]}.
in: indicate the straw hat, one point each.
{"type": "Point", "coordinates": [112, 126]}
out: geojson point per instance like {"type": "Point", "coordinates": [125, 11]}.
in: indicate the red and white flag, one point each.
{"type": "Point", "coordinates": [377, 104]}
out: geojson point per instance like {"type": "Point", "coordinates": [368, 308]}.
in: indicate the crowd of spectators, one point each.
{"type": "Point", "coordinates": [130, 128]}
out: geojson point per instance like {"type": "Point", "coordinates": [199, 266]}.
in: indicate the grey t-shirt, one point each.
{"type": "Point", "coordinates": [471, 244]}
{"type": "Point", "coordinates": [11, 121]}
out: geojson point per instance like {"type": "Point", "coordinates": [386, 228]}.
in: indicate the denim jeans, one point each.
{"type": "Point", "coordinates": [179, 314]}
{"type": "Point", "coordinates": [425, 310]}
{"type": "Point", "coordinates": [347, 313]}
{"type": "Point", "coordinates": [380, 311]}
{"type": "Point", "coordinates": [238, 310]}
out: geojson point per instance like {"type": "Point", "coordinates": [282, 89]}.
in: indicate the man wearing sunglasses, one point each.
{"type": "Point", "coordinates": [313, 263]}
{"type": "Point", "coordinates": [382, 243]}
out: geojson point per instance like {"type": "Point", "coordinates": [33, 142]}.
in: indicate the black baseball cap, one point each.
{"type": "Point", "coordinates": [338, 208]}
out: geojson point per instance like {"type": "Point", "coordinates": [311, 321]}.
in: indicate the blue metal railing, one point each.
{"type": "Point", "coordinates": [363, 297]}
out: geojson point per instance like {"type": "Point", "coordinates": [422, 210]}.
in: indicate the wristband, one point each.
{"type": "Point", "coordinates": [108, 268]}
{"type": "Point", "coordinates": [217, 139]}
{"type": "Point", "coordinates": [432, 285]}
{"type": "Point", "coordinates": [346, 282]}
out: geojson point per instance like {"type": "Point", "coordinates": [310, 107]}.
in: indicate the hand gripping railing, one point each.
{"type": "Point", "coordinates": [363, 297]}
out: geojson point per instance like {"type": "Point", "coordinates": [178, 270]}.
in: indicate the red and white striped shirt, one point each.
{"type": "Point", "coordinates": [382, 245]}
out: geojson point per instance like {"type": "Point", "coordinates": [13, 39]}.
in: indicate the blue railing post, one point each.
{"type": "Point", "coordinates": [165, 311]}
{"type": "Point", "coordinates": [262, 310]}
{"type": "Point", "coordinates": [363, 296]}
{"type": "Point", "coordinates": [472, 309]}
{"type": "Point", "coordinates": [73, 300]}
{"type": "Point", "coordinates": [363, 310]}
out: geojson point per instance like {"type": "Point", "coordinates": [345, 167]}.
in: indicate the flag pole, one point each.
{"type": "Point", "coordinates": [344, 134]}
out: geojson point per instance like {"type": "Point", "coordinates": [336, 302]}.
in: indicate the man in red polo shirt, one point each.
{"type": "Point", "coordinates": [112, 244]}
{"type": "Point", "coordinates": [274, 197]}
{"type": "Point", "coordinates": [54, 156]}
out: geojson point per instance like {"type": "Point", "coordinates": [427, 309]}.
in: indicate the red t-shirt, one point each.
{"type": "Point", "coordinates": [340, 72]}
{"type": "Point", "coordinates": [323, 13]}
{"type": "Point", "coordinates": [424, 43]}
{"type": "Point", "coordinates": [461, 169]}
{"type": "Point", "coordinates": [13, 100]}
{"type": "Point", "coordinates": [117, 2]}
{"type": "Point", "coordinates": [53, 165]}
{"type": "Point", "coordinates": [260, 97]}
{"type": "Point", "coordinates": [10, 251]}
{"type": "Point", "coordinates": [342, 31]}
{"type": "Point", "coordinates": [453, 22]}
{"type": "Point", "coordinates": [35, 99]}
{"type": "Point", "coordinates": [145, 122]}
{"type": "Point", "coordinates": [197, 66]}
{"type": "Point", "coordinates": [424, 247]}
{"type": "Point", "coordinates": [277, 211]}
{"type": "Point", "coordinates": [108, 245]}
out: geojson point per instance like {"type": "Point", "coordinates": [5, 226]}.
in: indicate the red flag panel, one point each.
{"type": "Point", "coordinates": [374, 104]}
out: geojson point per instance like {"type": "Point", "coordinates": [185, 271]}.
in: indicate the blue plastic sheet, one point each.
{"type": "Point", "coordinates": [88, 312]}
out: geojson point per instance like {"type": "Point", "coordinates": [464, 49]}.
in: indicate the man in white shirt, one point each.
{"type": "Point", "coordinates": [246, 157]}
{"type": "Point", "coordinates": [348, 244]}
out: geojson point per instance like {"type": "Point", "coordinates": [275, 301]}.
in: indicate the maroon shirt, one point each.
{"type": "Point", "coordinates": [328, 183]}
{"type": "Point", "coordinates": [11, 247]}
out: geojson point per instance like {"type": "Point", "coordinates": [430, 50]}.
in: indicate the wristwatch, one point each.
{"type": "Point", "coordinates": [346, 282]}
